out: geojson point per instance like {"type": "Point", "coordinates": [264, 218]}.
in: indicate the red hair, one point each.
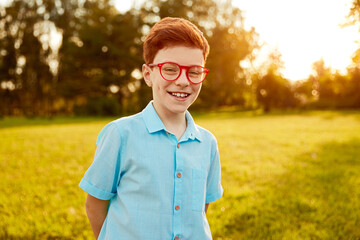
{"type": "Point", "coordinates": [170, 32]}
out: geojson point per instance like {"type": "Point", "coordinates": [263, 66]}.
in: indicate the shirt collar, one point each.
{"type": "Point", "coordinates": [152, 120]}
{"type": "Point", "coordinates": [192, 130]}
{"type": "Point", "coordinates": [154, 124]}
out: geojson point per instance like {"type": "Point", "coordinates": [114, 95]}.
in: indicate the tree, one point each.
{"type": "Point", "coordinates": [8, 63]}
{"type": "Point", "coordinates": [274, 91]}
{"type": "Point", "coordinates": [353, 89]}
{"type": "Point", "coordinates": [24, 56]}
{"type": "Point", "coordinates": [354, 13]}
{"type": "Point", "coordinates": [354, 71]}
{"type": "Point", "coordinates": [323, 84]}
{"type": "Point", "coordinates": [102, 51]}
{"type": "Point", "coordinates": [98, 60]}
{"type": "Point", "coordinates": [99, 52]}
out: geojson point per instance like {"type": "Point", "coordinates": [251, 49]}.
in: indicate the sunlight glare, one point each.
{"type": "Point", "coordinates": [123, 5]}
{"type": "Point", "coordinates": [303, 32]}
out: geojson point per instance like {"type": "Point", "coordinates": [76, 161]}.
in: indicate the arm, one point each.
{"type": "Point", "coordinates": [214, 189]}
{"type": "Point", "coordinates": [96, 211]}
{"type": "Point", "coordinates": [206, 206]}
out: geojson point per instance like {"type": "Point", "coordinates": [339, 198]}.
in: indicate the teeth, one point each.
{"type": "Point", "coordinates": [180, 94]}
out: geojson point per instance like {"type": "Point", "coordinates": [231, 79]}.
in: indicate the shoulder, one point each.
{"type": "Point", "coordinates": [120, 126]}
{"type": "Point", "coordinates": [128, 121]}
{"type": "Point", "coordinates": [206, 135]}
{"type": "Point", "coordinates": [209, 142]}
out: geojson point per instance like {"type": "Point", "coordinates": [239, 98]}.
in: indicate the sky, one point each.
{"type": "Point", "coordinates": [302, 31]}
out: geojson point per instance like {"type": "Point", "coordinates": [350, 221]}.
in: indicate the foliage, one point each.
{"type": "Point", "coordinates": [354, 13]}
{"type": "Point", "coordinates": [101, 49]}
{"type": "Point", "coordinates": [95, 57]}
{"type": "Point", "coordinates": [100, 106]}
{"type": "Point", "coordinates": [100, 55]}
{"type": "Point", "coordinates": [272, 90]}
{"type": "Point", "coordinates": [286, 176]}
{"type": "Point", "coordinates": [333, 90]}
{"type": "Point", "coordinates": [23, 54]}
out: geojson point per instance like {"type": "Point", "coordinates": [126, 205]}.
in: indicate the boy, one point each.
{"type": "Point", "coordinates": [155, 173]}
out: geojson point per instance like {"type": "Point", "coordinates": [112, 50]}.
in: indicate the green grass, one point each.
{"type": "Point", "coordinates": [285, 176]}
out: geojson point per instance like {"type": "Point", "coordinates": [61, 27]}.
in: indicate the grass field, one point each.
{"type": "Point", "coordinates": [285, 176]}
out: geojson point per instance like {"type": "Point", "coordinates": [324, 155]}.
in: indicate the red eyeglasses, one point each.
{"type": "Point", "coordinates": [171, 71]}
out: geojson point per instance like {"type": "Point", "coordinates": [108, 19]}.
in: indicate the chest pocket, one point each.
{"type": "Point", "coordinates": [198, 190]}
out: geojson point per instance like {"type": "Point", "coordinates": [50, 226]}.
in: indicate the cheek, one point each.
{"type": "Point", "coordinates": [159, 88]}
{"type": "Point", "coordinates": [197, 88]}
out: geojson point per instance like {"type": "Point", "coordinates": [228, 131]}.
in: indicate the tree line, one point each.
{"type": "Point", "coordinates": [84, 58]}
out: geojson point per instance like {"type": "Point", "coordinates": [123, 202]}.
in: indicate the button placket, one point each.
{"type": "Point", "coordinates": [178, 194]}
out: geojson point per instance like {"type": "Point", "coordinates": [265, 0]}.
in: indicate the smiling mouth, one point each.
{"type": "Point", "coordinates": [180, 95]}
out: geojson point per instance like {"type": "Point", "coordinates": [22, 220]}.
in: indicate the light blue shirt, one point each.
{"type": "Point", "coordinates": [157, 185]}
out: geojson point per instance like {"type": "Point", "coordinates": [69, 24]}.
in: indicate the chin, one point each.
{"type": "Point", "coordinates": [179, 108]}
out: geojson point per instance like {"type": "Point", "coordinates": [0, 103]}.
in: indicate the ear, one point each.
{"type": "Point", "coordinates": [146, 71]}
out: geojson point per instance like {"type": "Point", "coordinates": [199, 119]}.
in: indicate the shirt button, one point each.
{"type": "Point", "coordinates": [176, 238]}
{"type": "Point", "coordinates": [178, 175]}
{"type": "Point", "coordinates": [178, 145]}
{"type": "Point", "coordinates": [177, 207]}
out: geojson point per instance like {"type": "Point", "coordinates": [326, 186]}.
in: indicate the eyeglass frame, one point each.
{"type": "Point", "coordinates": [187, 68]}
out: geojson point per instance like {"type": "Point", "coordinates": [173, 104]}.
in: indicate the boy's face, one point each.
{"type": "Point", "coordinates": [173, 97]}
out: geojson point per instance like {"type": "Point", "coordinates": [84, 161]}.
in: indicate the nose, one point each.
{"type": "Point", "coordinates": [182, 80]}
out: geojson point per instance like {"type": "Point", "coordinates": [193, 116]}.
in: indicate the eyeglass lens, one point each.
{"type": "Point", "coordinates": [172, 71]}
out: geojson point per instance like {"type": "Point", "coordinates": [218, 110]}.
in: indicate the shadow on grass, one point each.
{"type": "Point", "coordinates": [317, 198]}
{"type": "Point", "coordinates": [25, 122]}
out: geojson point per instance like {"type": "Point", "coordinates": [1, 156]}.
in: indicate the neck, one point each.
{"type": "Point", "coordinates": [173, 122]}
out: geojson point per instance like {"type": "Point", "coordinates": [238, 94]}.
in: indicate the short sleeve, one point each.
{"type": "Point", "coordinates": [102, 177]}
{"type": "Point", "coordinates": [214, 190]}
